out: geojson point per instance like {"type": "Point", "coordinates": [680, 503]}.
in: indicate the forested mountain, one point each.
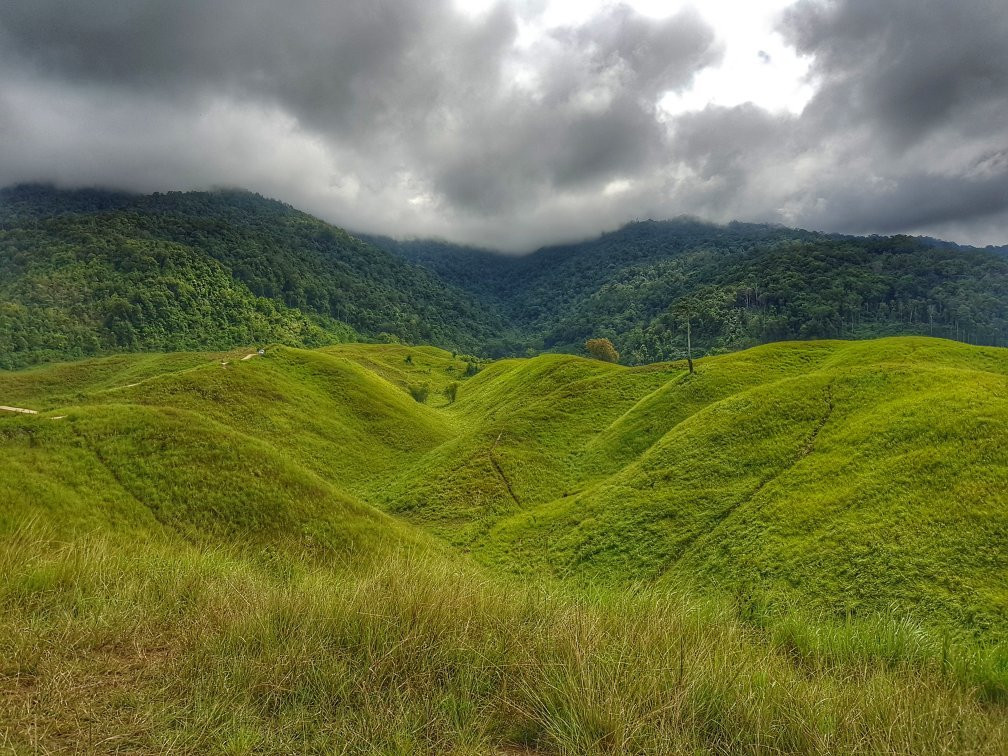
{"type": "Point", "coordinates": [742, 284]}
{"type": "Point", "coordinates": [87, 272]}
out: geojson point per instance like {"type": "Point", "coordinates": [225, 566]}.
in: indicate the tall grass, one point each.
{"type": "Point", "coordinates": [108, 646]}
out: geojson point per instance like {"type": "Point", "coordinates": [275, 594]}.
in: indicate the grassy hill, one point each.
{"type": "Point", "coordinates": [798, 548]}
{"type": "Point", "coordinates": [821, 473]}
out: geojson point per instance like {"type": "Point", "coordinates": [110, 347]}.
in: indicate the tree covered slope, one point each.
{"type": "Point", "coordinates": [91, 272]}
{"type": "Point", "coordinates": [746, 284]}
{"type": "Point", "coordinates": [95, 272]}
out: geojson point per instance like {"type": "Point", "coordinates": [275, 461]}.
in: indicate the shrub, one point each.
{"type": "Point", "coordinates": [602, 349]}
{"type": "Point", "coordinates": [419, 393]}
{"type": "Point", "coordinates": [451, 391]}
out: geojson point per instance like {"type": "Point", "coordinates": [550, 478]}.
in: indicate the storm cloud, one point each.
{"type": "Point", "coordinates": [412, 117]}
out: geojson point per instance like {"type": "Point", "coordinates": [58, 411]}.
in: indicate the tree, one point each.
{"type": "Point", "coordinates": [451, 392]}
{"type": "Point", "coordinates": [602, 349]}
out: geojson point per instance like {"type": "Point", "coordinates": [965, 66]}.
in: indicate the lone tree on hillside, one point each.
{"type": "Point", "coordinates": [451, 392]}
{"type": "Point", "coordinates": [602, 349]}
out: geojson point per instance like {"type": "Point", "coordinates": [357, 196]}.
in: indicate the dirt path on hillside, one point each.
{"type": "Point", "coordinates": [20, 410]}
{"type": "Point", "coordinates": [23, 411]}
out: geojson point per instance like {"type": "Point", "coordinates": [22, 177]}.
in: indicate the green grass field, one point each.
{"type": "Point", "coordinates": [799, 548]}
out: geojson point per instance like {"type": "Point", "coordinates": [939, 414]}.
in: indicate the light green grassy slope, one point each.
{"type": "Point", "coordinates": [828, 520]}
{"type": "Point", "coordinates": [235, 454]}
{"type": "Point", "coordinates": [852, 477]}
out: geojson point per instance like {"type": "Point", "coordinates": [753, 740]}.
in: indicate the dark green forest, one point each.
{"type": "Point", "coordinates": [741, 284]}
{"type": "Point", "coordinates": [89, 272]}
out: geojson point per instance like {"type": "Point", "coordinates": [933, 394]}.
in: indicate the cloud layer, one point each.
{"type": "Point", "coordinates": [412, 117]}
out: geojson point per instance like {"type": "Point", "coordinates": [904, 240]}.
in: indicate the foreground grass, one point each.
{"type": "Point", "coordinates": [800, 548]}
{"type": "Point", "coordinates": [108, 646]}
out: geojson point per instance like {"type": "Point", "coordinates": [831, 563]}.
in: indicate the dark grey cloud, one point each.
{"type": "Point", "coordinates": [588, 113]}
{"type": "Point", "coordinates": [908, 66]}
{"type": "Point", "coordinates": [905, 133]}
{"type": "Point", "coordinates": [412, 117]}
{"type": "Point", "coordinates": [912, 100]}
{"type": "Point", "coordinates": [425, 119]}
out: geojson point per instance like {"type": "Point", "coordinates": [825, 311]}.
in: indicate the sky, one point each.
{"type": "Point", "coordinates": [513, 124]}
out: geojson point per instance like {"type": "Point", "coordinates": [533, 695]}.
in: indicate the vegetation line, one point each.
{"type": "Point", "coordinates": [115, 475]}
{"type": "Point", "coordinates": [814, 436]}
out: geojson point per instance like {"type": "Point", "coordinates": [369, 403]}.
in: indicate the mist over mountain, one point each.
{"type": "Point", "coordinates": [517, 124]}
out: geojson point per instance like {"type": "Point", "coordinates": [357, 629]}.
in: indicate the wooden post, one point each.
{"type": "Point", "coordinates": [689, 343]}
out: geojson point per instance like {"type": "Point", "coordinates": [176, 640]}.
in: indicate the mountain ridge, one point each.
{"type": "Point", "coordinates": [93, 271]}
{"type": "Point", "coordinates": [88, 272]}
{"type": "Point", "coordinates": [746, 284]}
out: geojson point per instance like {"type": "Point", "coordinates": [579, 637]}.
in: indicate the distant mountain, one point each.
{"type": "Point", "coordinates": [744, 284]}
{"type": "Point", "coordinates": [942, 244]}
{"type": "Point", "coordinates": [88, 272]}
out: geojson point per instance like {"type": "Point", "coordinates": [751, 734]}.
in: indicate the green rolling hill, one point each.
{"type": "Point", "coordinates": [800, 547]}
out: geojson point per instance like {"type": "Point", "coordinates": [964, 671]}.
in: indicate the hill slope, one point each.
{"type": "Point", "coordinates": [88, 272]}
{"type": "Point", "coordinates": [821, 471]}
{"type": "Point", "coordinates": [746, 284]}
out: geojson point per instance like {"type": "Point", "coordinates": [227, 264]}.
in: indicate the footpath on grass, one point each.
{"type": "Point", "coordinates": [24, 411]}
{"type": "Point", "coordinates": [20, 410]}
